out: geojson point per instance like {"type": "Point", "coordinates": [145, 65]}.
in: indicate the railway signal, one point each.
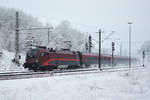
{"type": "Point", "coordinates": [90, 43]}
{"type": "Point", "coordinates": [113, 49]}
{"type": "Point", "coordinates": [86, 46]}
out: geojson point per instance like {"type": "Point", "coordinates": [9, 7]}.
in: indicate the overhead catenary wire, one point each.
{"type": "Point", "coordinates": [104, 38]}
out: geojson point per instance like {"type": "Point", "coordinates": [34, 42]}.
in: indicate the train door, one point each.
{"type": "Point", "coordinates": [80, 58]}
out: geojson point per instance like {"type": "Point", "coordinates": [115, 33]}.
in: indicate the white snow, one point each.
{"type": "Point", "coordinates": [131, 85]}
{"type": "Point", "coordinates": [6, 64]}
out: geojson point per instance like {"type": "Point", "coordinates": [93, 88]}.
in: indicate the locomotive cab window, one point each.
{"type": "Point", "coordinates": [32, 54]}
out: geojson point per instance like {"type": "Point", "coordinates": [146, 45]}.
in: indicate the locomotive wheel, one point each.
{"type": "Point", "coordinates": [34, 67]}
{"type": "Point", "coordinates": [29, 68]}
{"type": "Point", "coordinates": [87, 65]}
{"type": "Point", "coordinates": [73, 66]}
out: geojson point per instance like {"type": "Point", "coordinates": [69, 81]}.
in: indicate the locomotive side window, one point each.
{"type": "Point", "coordinates": [43, 54]}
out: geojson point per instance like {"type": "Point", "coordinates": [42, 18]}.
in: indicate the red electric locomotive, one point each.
{"type": "Point", "coordinates": [41, 58]}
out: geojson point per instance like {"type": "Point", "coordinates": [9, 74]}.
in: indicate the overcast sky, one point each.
{"type": "Point", "coordinates": [90, 15]}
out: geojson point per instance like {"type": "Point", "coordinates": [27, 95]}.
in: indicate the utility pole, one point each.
{"type": "Point", "coordinates": [129, 44]}
{"type": "Point", "coordinates": [90, 43]}
{"type": "Point", "coordinates": [113, 49]}
{"type": "Point", "coordinates": [17, 38]}
{"type": "Point", "coordinates": [48, 37]}
{"type": "Point", "coordinates": [100, 49]}
{"type": "Point", "coordinates": [143, 57]}
{"type": "Point", "coordinates": [100, 42]}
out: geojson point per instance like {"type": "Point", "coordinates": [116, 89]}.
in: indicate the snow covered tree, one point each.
{"type": "Point", "coordinates": [145, 47]}
{"type": "Point", "coordinates": [64, 32]}
{"type": "Point", "coordinates": [7, 27]}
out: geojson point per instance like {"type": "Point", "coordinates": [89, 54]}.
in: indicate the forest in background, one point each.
{"type": "Point", "coordinates": [59, 34]}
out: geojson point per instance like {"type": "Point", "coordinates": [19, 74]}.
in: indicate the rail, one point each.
{"type": "Point", "coordinates": [25, 75]}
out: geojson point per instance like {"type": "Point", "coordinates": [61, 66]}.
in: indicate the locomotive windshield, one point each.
{"type": "Point", "coordinates": [32, 54]}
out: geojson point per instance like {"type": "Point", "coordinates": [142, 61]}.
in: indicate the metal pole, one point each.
{"type": "Point", "coordinates": [17, 37]}
{"type": "Point", "coordinates": [143, 57]}
{"type": "Point", "coordinates": [48, 37]}
{"type": "Point", "coordinates": [143, 61]}
{"type": "Point", "coordinates": [113, 54]}
{"type": "Point", "coordinates": [129, 44]}
{"type": "Point", "coordinates": [100, 49]}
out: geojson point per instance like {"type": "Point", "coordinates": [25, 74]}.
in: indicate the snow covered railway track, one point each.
{"type": "Point", "coordinates": [98, 71]}
{"type": "Point", "coordinates": [7, 73]}
{"type": "Point", "coordinates": [25, 75]}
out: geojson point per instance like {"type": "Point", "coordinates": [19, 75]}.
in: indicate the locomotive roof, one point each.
{"type": "Point", "coordinates": [75, 52]}
{"type": "Point", "coordinates": [65, 52]}
{"type": "Point", "coordinates": [104, 55]}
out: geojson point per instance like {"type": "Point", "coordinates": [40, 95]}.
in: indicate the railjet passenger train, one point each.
{"type": "Point", "coordinates": [42, 58]}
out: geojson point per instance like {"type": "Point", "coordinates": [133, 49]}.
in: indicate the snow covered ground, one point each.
{"type": "Point", "coordinates": [131, 85]}
{"type": "Point", "coordinates": [6, 64]}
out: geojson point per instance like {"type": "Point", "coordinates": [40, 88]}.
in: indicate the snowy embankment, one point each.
{"type": "Point", "coordinates": [132, 85]}
{"type": "Point", "coordinates": [6, 64]}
